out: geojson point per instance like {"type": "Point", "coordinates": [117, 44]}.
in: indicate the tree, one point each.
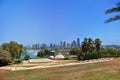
{"type": "Point", "coordinates": [87, 45]}
{"type": "Point", "coordinates": [74, 51]}
{"type": "Point", "coordinates": [111, 10]}
{"type": "Point", "coordinates": [27, 57]}
{"type": "Point", "coordinates": [41, 53]}
{"type": "Point", "coordinates": [13, 48]}
{"type": "Point", "coordinates": [5, 46]}
{"type": "Point", "coordinates": [112, 52]}
{"type": "Point", "coordinates": [5, 57]}
{"type": "Point", "coordinates": [97, 45]}
{"type": "Point", "coordinates": [90, 45]}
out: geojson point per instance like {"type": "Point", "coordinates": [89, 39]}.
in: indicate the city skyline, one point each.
{"type": "Point", "coordinates": [45, 21]}
{"type": "Point", "coordinates": [62, 45]}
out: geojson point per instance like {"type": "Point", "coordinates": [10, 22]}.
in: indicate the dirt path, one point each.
{"type": "Point", "coordinates": [57, 63]}
{"type": "Point", "coordinates": [74, 72]}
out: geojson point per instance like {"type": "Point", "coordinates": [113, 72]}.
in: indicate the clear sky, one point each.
{"type": "Point", "coordinates": [45, 21]}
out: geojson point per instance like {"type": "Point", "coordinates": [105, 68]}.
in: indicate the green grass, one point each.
{"type": "Point", "coordinates": [37, 78]}
{"type": "Point", "coordinates": [81, 72]}
{"type": "Point", "coordinates": [103, 75]}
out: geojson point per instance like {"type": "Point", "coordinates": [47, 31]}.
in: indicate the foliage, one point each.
{"type": "Point", "coordinates": [118, 53]}
{"type": "Point", "coordinates": [88, 48]}
{"type": "Point", "coordinates": [5, 57]}
{"type": "Point", "coordinates": [112, 51]}
{"type": "Point", "coordinates": [111, 10]}
{"type": "Point", "coordinates": [27, 57]}
{"type": "Point", "coordinates": [48, 52]}
{"type": "Point", "coordinates": [109, 52]}
{"type": "Point", "coordinates": [104, 53]}
{"type": "Point", "coordinates": [41, 53]}
{"type": "Point", "coordinates": [66, 58]}
{"type": "Point", "coordinates": [97, 44]}
{"type": "Point", "coordinates": [81, 56]}
{"type": "Point", "coordinates": [87, 56]}
{"type": "Point", "coordinates": [75, 51]}
{"type": "Point", "coordinates": [92, 56]}
{"type": "Point", "coordinates": [87, 45]}
{"type": "Point", "coordinates": [17, 61]}
{"type": "Point", "coordinates": [13, 48]}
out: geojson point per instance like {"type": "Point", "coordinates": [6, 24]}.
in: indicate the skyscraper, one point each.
{"type": "Point", "coordinates": [61, 44]}
{"type": "Point", "coordinates": [51, 45]}
{"type": "Point", "coordinates": [64, 44]}
{"type": "Point", "coordinates": [78, 43]}
{"type": "Point", "coordinates": [73, 44]}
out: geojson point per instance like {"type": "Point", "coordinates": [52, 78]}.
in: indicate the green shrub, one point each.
{"type": "Point", "coordinates": [5, 58]}
{"type": "Point", "coordinates": [17, 61]}
{"type": "Point", "coordinates": [41, 54]}
{"type": "Point", "coordinates": [91, 56]}
{"type": "Point", "coordinates": [81, 56]}
{"type": "Point", "coordinates": [27, 57]}
{"type": "Point", "coordinates": [102, 55]}
{"type": "Point", "coordinates": [67, 58]}
{"type": "Point", "coordinates": [117, 54]}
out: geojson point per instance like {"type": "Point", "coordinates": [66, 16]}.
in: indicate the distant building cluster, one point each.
{"type": "Point", "coordinates": [111, 46]}
{"type": "Point", "coordinates": [61, 45]}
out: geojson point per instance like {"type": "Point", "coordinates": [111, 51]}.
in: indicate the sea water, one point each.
{"type": "Point", "coordinates": [32, 54]}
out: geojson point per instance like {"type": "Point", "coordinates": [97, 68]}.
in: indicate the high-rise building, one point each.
{"type": "Point", "coordinates": [64, 44]}
{"type": "Point", "coordinates": [68, 45]}
{"type": "Point", "coordinates": [43, 46]}
{"type": "Point", "coordinates": [51, 45]}
{"type": "Point", "coordinates": [73, 44]}
{"type": "Point", "coordinates": [78, 42]}
{"type": "Point", "coordinates": [36, 46]}
{"type": "Point", "coordinates": [61, 44]}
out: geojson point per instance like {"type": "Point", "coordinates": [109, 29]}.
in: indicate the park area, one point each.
{"type": "Point", "coordinates": [104, 70]}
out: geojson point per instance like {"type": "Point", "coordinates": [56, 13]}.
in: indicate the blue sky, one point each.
{"type": "Point", "coordinates": [45, 21]}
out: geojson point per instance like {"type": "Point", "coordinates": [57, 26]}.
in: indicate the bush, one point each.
{"type": "Point", "coordinates": [17, 61]}
{"type": "Point", "coordinates": [66, 58]}
{"type": "Point", "coordinates": [41, 54]}
{"type": "Point", "coordinates": [118, 54]}
{"type": "Point", "coordinates": [27, 57]}
{"type": "Point", "coordinates": [91, 56]}
{"type": "Point", "coordinates": [102, 55]}
{"type": "Point", "coordinates": [81, 56]}
{"type": "Point", "coordinates": [5, 58]}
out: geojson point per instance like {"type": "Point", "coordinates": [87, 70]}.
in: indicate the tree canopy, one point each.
{"type": "Point", "coordinates": [13, 48]}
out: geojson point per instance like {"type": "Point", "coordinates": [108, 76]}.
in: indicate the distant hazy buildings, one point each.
{"type": "Point", "coordinates": [61, 45]}
{"type": "Point", "coordinates": [78, 42]}
{"type": "Point", "coordinates": [36, 46]}
{"type": "Point", "coordinates": [74, 43]}
{"type": "Point", "coordinates": [111, 46]}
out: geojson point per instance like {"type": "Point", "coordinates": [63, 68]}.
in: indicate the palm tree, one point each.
{"type": "Point", "coordinates": [87, 45]}
{"type": "Point", "coordinates": [97, 44]}
{"type": "Point", "coordinates": [111, 10]}
{"type": "Point", "coordinates": [90, 44]}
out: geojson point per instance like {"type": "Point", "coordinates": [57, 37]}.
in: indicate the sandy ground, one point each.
{"type": "Point", "coordinates": [72, 72]}
{"type": "Point", "coordinates": [55, 63]}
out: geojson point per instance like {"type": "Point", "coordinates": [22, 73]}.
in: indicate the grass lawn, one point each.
{"type": "Point", "coordinates": [97, 71]}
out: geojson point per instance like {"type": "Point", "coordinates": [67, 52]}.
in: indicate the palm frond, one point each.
{"type": "Point", "coordinates": [117, 17]}
{"type": "Point", "coordinates": [111, 10]}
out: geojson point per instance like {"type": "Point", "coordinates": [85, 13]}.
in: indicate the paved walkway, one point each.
{"type": "Point", "coordinates": [51, 64]}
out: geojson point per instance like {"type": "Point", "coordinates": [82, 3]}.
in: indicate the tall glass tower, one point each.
{"type": "Point", "coordinates": [78, 42]}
